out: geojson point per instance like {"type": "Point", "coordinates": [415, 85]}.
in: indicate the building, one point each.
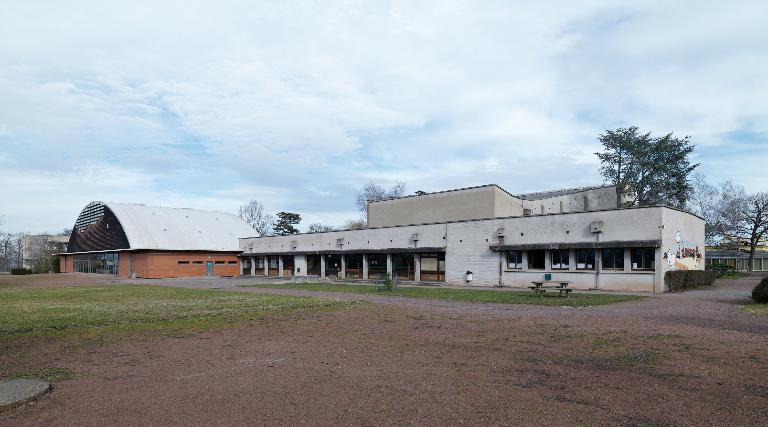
{"type": "Point", "coordinates": [134, 240]}
{"type": "Point", "coordinates": [738, 259]}
{"type": "Point", "coordinates": [502, 239]}
{"type": "Point", "coordinates": [35, 245]}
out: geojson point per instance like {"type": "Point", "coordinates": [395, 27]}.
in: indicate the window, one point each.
{"type": "Point", "coordinates": [536, 260]}
{"type": "Point", "coordinates": [613, 259]}
{"type": "Point", "coordinates": [643, 258]}
{"type": "Point", "coordinates": [231, 262]}
{"type": "Point", "coordinates": [560, 259]}
{"type": "Point", "coordinates": [515, 259]}
{"type": "Point", "coordinates": [197, 262]}
{"type": "Point", "coordinates": [219, 262]}
{"type": "Point", "coordinates": [585, 259]}
{"type": "Point", "coordinates": [183, 262]}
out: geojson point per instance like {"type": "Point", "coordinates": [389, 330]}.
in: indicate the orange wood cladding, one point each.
{"type": "Point", "coordinates": [161, 265]}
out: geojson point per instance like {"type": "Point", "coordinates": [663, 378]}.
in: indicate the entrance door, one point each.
{"type": "Point", "coordinates": [209, 268]}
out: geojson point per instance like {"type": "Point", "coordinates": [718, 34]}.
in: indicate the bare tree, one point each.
{"type": "Point", "coordinates": [704, 203]}
{"type": "Point", "coordinates": [40, 253]}
{"type": "Point", "coordinates": [355, 224]}
{"type": "Point", "coordinates": [319, 228]}
{"type": "Point", "coordinates": [254, 214]}
{"type": "Point", "coordinates": [371, 192]}
{"type": "Point", "coordinates": [746, 220]}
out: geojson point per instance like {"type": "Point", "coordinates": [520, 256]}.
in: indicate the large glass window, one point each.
{"type": "Point", "coordinates": [433, 267]}
{"type": "Point", "coordinates": [560, 259]}
{"type": "Point", "coordinates": [585, 259]}
{"type": "Point", "coordinates": [288, 265]}
{"type": "Point", "coordinates": [536, 260]}
{"type": "Point", "coordinates": [273, 265]}
{"type": "Point", "coordinates": [613, 259]}
{"type": "Point", "coordinates": [377, 266]}
{"type": "Point", "coordinates": [515, 260]}
{"type": "Point", "coordinates": [643, 259]}
{"type": "Point", "coordinates": [313, 265]}
{"type": "Point", "coordinates": [101, 263]}
{"type": "Point", "coordinates": [354, 267]}
{"type": "Point", "coordinates": [402, 266]}
{"type": "Point", "coordinates": [332, 265]}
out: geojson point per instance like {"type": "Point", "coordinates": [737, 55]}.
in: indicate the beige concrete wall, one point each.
{"type": "Point", "coordinates": [473, 203]}
{"type": "Point", "coordinates": [596, 199]}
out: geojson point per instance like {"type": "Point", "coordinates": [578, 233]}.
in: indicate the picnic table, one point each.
{"type": "Point", "coordinates": [540, 287]}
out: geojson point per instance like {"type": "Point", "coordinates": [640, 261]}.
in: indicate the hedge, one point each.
{"type": "Point", "coordinates": [20, 271]}
{"type": "Point", "coordinates": [682, 280]}
{"type": "Point", "coordinates": [721, 269]}
{"type": "Point", "coordinates": [760, 293]}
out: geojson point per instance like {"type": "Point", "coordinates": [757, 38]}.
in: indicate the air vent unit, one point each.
{"type": "Point", "coordinates": [526, 212]}
{"type": "Point", "coordinates": [596, 227]}
{"type": "Point", "coordinates": [294, 244]}
{"type": "Point", "coordinates": [500, 232]}
{"type": "Point", "coordinates": [340, 241]}
{"type": "Point", "coordinates": [415, 237]}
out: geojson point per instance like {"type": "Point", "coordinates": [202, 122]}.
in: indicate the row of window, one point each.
{"type": "Point", "coordinates": [203, 262]}
{"type": "Point", "coordinates": [560, 259]}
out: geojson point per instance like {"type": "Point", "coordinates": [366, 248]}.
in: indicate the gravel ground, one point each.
{"type": "Point", "coordinates": [692, 358]}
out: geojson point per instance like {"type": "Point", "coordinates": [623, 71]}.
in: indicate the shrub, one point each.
{"type": "Point", "coordinates": [20, 271]}
{"type": "Point", "coordinates": [760, 293]}
{"type": "Point", "coordinates": [388, 284]}
{"type": "Point", "coordinates": [682, 280]}
{"type": "Point", "coordinates": [721, 269]}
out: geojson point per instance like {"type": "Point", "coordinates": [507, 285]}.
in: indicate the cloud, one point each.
{"type": "Point", "coordinates": [299, 103]}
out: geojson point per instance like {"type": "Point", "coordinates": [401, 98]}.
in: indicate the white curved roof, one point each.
{"type": "Point", "coordinates": [157, 227]}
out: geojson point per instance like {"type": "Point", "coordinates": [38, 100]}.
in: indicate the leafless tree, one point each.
{"type": "Point", "coordinates": [319, 228]}
{"type": "Point", "coordinates": [704, 203]}
{"type": "Point", "coordinates": [40, 252]}
{"type": "Point", "coordinates": [747, 221]}
{"type": "Point", "coordinates": [254, 214]}
{"type": "Point", "coordinates": [371, 192]}
{"type": "Point", "coordinates": [355, 224]}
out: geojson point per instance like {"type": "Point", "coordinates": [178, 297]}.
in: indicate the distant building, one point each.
{"type": "Point", "coordinates": [738, 259]}
{"type": "Point", "coordinates": [576, 235]}
{"type": "Point", "coordinates": [134, 240]}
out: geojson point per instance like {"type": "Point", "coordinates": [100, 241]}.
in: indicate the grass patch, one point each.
{"type": "Point", "coordinates": [50, 375]}
{"type": "Point", "coordinates": [759, 309]}
{"type": "Point", "coordinates": [107, 313]}
{"type": "Point", "coordinates": [472, 295]}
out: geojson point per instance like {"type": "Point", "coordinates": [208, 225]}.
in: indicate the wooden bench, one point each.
{"type": "Point", "coordinates": [540, 287]}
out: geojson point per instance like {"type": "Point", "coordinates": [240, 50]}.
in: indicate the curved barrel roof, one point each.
{"type": "Point", "coordinates": [161, 228]}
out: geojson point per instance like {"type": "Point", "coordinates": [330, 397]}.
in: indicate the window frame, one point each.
{"type": "Point", "coordinates": [586, 251]}
{"type": "Point", "coordinates": [643, 259]}
{"type": "Point", "coordinates": [518, 263]}
{"type": "Point", "coordinates": [181, 262]}
{"type": "Point", "coordinates": [544, 264]}
{"type": "Point", "coordinates": [613, 266]}
{"type": "Point", "coordinates": [560, 252]}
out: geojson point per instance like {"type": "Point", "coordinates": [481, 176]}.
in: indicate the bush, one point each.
{"type": "Point", "coordinates": [20, 271]}
{"type": "Point", "coordinates": [682, 280]}
{"type": "Point", "coordinates": [760, 293]}
{"type": "Point", "coordinates": [387, 284]}
{"type": "Point", "coordinates": [721, 269]}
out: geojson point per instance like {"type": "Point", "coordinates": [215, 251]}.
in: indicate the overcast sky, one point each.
{"type": "Point", "coordinates": [298, 104]}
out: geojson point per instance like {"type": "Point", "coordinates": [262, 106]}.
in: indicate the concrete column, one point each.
{"type": "Point", "coordinates": [322, 265]}
{"type": "Point", "coordinates": [242, 260]}
{"type": "Point", "coordinates": [365, 266]}
{"type": "Point", "coordinates": [253, 266]}
{"type": "Point", "coordinates": [280, 265]}
{"type": "Point", "coordinates": [343, 266]}
{"type": "Point", "coordinates": [416, 267]}
{"type": "Point", "coordinates": [266, 265]}
{"type": "Point", "coordinates": [389, 264]}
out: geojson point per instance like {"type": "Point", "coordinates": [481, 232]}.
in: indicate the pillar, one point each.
{"type": "Point", "coordinates": [253, 266]}
{"type": "Point", "coordinates": [343, 266]}
{"type": "Point", "coordinates": [365, 266]}
{"type": "Point", "coordinates": [242, 260]}
{"type": "Point", "coordinates": [389, 265]}
{"type": "Point", "coordinates": [280, 265]}
{"type": "Point", "coordinates": [322, 265]}
{"type": "Point", "coordinates": [266, 265]}
{"type": "Point", "coordinates": [416, 267]}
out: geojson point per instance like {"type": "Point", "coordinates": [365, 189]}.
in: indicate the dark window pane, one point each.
{"type": "Point", "coordinates": [536, 260]}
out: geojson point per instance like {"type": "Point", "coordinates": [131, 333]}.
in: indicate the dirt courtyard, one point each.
{"type": "Point", "coordinates": [678, 359]}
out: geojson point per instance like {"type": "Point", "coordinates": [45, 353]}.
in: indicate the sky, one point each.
{"type": "Point", "coordinates": [298, 104]}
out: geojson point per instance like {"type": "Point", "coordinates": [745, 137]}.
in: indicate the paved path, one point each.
{"type": "Point", "coordinates": [16, 392]}
{"type": "Point", "coordinates": [718, 307]}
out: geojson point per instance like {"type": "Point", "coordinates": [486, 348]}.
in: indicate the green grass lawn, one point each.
{"type": "Point", "coordinates": [576, 299]}
{"type": "Point", "coordinates": [109, 312]}
{"type": "Point", "coordinates": [761, 309]}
